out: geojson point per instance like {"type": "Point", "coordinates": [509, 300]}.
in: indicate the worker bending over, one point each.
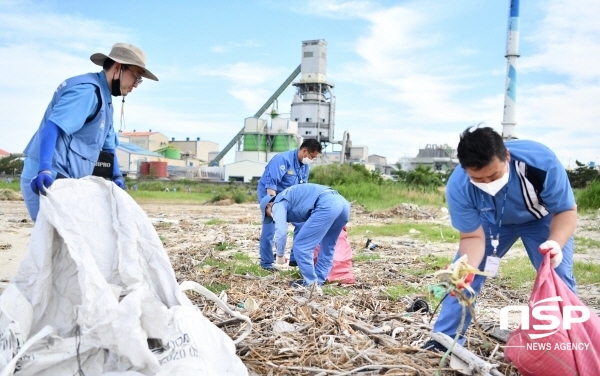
{"type": "Point", "coordinates": [284, 170]}
{"type": "Point", "coordinates": [500, 193]}
{"type": "Point", "coordinates": [323, 213]}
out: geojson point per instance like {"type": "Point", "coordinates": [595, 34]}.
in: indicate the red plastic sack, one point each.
{"type": "Point", "coordinates": [341, 271]}
{"type": "Point", "coordinates": [563, 347]}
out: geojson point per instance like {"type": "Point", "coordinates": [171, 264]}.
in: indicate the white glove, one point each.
{"type": "Point", "coordinates": [280, 260]}
{"type": "Point", "coordinates": [556, 254]}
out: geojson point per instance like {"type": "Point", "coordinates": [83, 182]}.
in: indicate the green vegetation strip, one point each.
{"type": "Point", "coordinates": [518, 273]}
{"type": "Point", "coordinates": [215, 221]}
{"type": "Point", "coordinates": [239, 263]}
{"type": "Point", "coordinates": [372, 191]}
{"type": "Point", "coordinates": [583, 244]}
{"type": "Point", "coordinates": [429, 232]}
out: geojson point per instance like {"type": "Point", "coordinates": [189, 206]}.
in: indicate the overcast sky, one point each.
{"type": "Point", "coordinates": [406, 73]}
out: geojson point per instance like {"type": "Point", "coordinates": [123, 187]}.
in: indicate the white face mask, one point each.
{"type": "Point", "coordinates": [493, 187]}
{"type": "Point", "coordinates": [307, 161]}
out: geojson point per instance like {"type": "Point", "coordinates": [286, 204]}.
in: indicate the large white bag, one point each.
{"type": "Point", "coordinates": [95, 286]}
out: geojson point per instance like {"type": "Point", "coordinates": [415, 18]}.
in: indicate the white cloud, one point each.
{"type": "Point", "coordinates": [333, 8]}
{"type": "Point", "coordinates": [566, 41]}
{"type": "Point", "coordinates": [235, 46]}
{"type": "Point", "coordinates": [245, 74]}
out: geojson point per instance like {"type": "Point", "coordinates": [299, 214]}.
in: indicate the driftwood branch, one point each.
{"type": "Point", "coordinates": [477, 366]}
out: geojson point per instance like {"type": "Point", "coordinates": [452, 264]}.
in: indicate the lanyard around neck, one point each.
{"type": "Point", "coordinates": [495, 242]}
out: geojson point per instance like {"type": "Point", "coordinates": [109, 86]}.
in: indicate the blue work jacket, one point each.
{"type": "Point", "coordinates": [75, 155]}
{"type": "Point", "coordinates": [301, 200]}
{"type": "Point", "coordinates": [283, 171]}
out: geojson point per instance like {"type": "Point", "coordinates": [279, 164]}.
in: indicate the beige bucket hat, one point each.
{"type": "Point", "coordinates": [125, 53]}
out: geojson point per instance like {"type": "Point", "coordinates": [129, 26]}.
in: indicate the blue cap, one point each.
{"type": "Point", "coordinates": [263, 206]}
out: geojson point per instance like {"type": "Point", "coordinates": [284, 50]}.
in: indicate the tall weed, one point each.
{"type": "Point", "coordinates": [589, 197]}
{"type": "Point", "coordinates": [370, 190]}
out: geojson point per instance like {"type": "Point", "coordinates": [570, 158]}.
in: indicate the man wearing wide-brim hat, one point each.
{"type": "Point", "coordinates": [77, 127]}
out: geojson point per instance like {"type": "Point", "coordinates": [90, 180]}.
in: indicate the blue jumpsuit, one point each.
{"type": "Point", "coordinates": [538, 187]}
{"type": "Point", "coordinates": [324, 213]}
{"type": "Point", "coordinates": [283, 171]}
{"type": "Point", "coordinates": [81, 138]}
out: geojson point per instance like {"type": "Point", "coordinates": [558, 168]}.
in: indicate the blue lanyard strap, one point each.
{"type": "Point", "coordinates": [501, 216]}
{"type": "Point", "coordinates": [301, 177]}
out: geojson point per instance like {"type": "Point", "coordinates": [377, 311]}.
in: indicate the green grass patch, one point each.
{"type": "Point", "coordinates": [169, 197]}
{"type": "Point", "coordinates": [389, 194]}
{"type": "Point", "coordinates": [199, 193]}
{"type": "Point", "coordinates": [518, 273]}
{"type": "Point", "coordinates": [335, 290]}
{"type": "Point", "coordinates": [582, 244]}
{"type": "Point", "coordinates": [291, 273]}
{"type": "Point", "coordinates": [238, 263]}
{"type": "Point", "coordinates": [216, 287]}
{"type": "Point", "coordinates": [224, 246]}
{"type": "Point", "coordinates": [163, 225]}
{"type": "Point", "coordinates": [431, 264]}
{"type": "Point", "coordinates": [429, 232]}
{"type": "Point", "coordinates": [215, 221]}
{"type": "Point", "coordinates": [396, 292]}
{"type": "Point", "coordinates": [586, 272]}
{"type": "Point", "coordinates": [15, 184]}
{"type": "Point", "coordinates": [365, 257]}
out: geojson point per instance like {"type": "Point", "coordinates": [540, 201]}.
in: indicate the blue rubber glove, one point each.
{"type": "Point", "coordinates": [48, 136]}
{"type": "Point", "coordinates": [42, 181]}
{"type": "Point", "coordinates": [119, 181]}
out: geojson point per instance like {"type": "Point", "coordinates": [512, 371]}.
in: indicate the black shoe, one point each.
{"type": "Point", "coordinates": [435, 346]}
{"type": "Point", "coordinates": [297, 283]}
{"type": "Point", "coordinates": [270, 269]}
{"type": "Point", "coordinates": [293, 263]}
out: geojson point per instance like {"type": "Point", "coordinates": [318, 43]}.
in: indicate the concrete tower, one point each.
{"type": "Point", "coordinates": [313, 107]}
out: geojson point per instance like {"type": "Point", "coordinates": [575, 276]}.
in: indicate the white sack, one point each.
{"type": "Point", "coordinates": [90, 242]}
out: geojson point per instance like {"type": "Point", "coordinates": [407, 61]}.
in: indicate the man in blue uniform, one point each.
{"type": "Point", "coordinates": [78, 124]}
{"type": "Point", "coordinates": [503, 192]}
{"type": "Point", "coordinates": [322, 212]}
{"type": "Point", "coordinates": [284, 170]}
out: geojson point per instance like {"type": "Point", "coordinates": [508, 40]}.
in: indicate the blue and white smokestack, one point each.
{"type": "Point", "coordinates": [512, 53]}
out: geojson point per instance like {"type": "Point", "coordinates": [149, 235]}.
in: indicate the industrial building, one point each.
{"type": "Point", "coordinates": [195, 150]}
{"type": "Point", "coordinates": [136, 148]}
{"type": "Point", "coordinates": [440, 158]}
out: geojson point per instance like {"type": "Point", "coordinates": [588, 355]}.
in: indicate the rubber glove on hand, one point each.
{"type": "Point", "coordinates": [119, 181]}
{"type": "Point", "coordinates": [280, 260]}
{"type": "Point", "coordinates": [42, 181]}
{"type": "Point", "coordinates": [556, 254]}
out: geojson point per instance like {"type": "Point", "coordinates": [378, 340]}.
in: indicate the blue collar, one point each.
{"type": "Point", "coordinates": [300, 169]}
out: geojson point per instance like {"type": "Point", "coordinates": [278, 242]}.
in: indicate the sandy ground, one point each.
{"type": "Point", "coordinates": [169, 219]}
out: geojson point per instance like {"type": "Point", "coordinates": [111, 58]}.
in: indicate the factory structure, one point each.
{"type": "Point", "coordinates": [312, 116]}
{"type": "Point", "coordinates": [267, 133]}
{"type": "Point", "coordinates": [440, 158]}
